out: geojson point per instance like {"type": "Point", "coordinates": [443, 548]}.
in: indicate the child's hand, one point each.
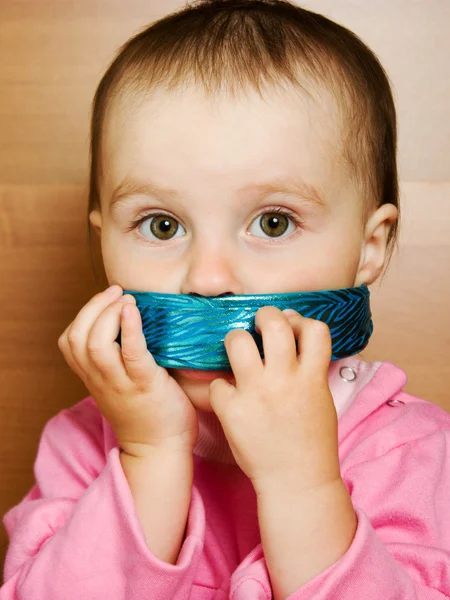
{"type": "Point", "coordinates": [144, 405]}
{"type": "Point", "coordinates": [280, 419]}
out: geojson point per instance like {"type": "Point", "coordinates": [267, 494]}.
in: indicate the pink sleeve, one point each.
{"type": "Point", "coordinates": [401, 550]}
{"type": "Point", "coordinates": [76, 533]}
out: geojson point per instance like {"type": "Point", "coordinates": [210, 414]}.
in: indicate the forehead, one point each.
{"type": "Point", "coordinates": [220, 137]}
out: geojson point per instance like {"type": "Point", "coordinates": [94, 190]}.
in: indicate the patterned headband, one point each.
{"type": "Point", "coordinates": [187, 332]}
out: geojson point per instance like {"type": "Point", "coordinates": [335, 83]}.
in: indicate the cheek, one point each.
{"type": "Point", "coordinates": [130, 264]}
{"type": "Point", "coordinates": [116, 261]}
{"type": "Point", "coordinates": [326, 264]}
{"type": "Point", "coordinates": [130, 268]}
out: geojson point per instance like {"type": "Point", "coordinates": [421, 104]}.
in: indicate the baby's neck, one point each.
{"type": "Point", "coordinates": [212, 443]}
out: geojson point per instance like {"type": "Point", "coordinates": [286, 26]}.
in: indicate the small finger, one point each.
{"type": "Point", "coordinates": [243, 355]}
{"type": "Point", "coordinates": [77, 333]}
{"type": "Point", "coordinates": [138, 361]}
{"type": "Point", "coordinates": [295, 322]}
{"type": "Point", "coordinates": [314, 342]}
{"type": "Point", "coordinates": [103, 352]}
{"type": "Point", "coordinates": [66, 351]}
{"type": "Point", "coordinates": [280, 352]}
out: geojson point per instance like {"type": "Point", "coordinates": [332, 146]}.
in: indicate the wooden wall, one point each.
{"type": "Point", "coordinates": [52, 55]}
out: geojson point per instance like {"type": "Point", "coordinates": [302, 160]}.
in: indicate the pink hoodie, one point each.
{"type": "Point", "coordinates": [76, 534]}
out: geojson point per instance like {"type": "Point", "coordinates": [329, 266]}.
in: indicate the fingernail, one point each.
{"type": "Point", "coordinates": [289, 312]}
{"type": "Point", "coordinates": [128, 298]}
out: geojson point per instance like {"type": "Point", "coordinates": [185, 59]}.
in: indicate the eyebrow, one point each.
{"type": "Point", "coordinates": [130, 185]}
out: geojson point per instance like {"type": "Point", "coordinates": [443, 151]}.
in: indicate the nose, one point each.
{"type": "Point", "coordinates": [211, 271]}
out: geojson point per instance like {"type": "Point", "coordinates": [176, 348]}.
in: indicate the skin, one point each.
{"type": "Point", "coordinates": [207, 151]}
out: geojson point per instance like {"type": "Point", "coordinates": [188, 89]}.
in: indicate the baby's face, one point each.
{"type": "Point", "coordinates": [234, 196]}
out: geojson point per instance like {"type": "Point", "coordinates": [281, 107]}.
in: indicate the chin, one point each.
{"type": "Point", "coordinates": [196, 391]}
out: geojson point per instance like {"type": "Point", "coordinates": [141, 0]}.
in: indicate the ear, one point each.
{"type": "Point", "coordinates": [95, 218]}
{"type": "Point", "coordinates": [373, 252]}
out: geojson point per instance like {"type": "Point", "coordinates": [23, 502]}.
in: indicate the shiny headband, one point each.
{"type": "Point", "coordinates": [187, 332]}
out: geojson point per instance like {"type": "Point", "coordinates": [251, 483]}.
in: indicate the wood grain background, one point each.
{"type": "Point", "coordinates": [52, 54]}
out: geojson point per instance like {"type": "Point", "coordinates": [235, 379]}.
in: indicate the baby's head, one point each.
{"type": "Point", "coordinates": [244, 147]}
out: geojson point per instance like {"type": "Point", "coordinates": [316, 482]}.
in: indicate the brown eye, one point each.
{"type": "Point", "coordinates": [163, 227]}
{"type": "Point", "coordinates": [274, 224]}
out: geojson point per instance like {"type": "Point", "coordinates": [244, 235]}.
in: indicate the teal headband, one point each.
{"type": "Point", "coordinates": [187, 332]}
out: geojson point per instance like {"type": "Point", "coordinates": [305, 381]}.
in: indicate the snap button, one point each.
{"type": "Point", "coordinates": [347, 373]}
{"type": "Point", "coordinates": [394, 402]}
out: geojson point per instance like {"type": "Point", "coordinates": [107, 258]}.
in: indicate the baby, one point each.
{"type": "Point", "coordinates": [238, 147]}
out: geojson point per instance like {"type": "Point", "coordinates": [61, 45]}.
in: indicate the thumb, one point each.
{"type": "Point", "coordinates": [220, 392]}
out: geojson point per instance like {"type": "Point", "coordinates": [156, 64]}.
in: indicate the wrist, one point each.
{"type": "Point", "coordinates": [331, 494]}
{"type": "Point", "coordinates": [163, 463]}
{"type": "Point", "coordinates": [290, 482]}
{"type": "Point", "coordinates": [146, 451]}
